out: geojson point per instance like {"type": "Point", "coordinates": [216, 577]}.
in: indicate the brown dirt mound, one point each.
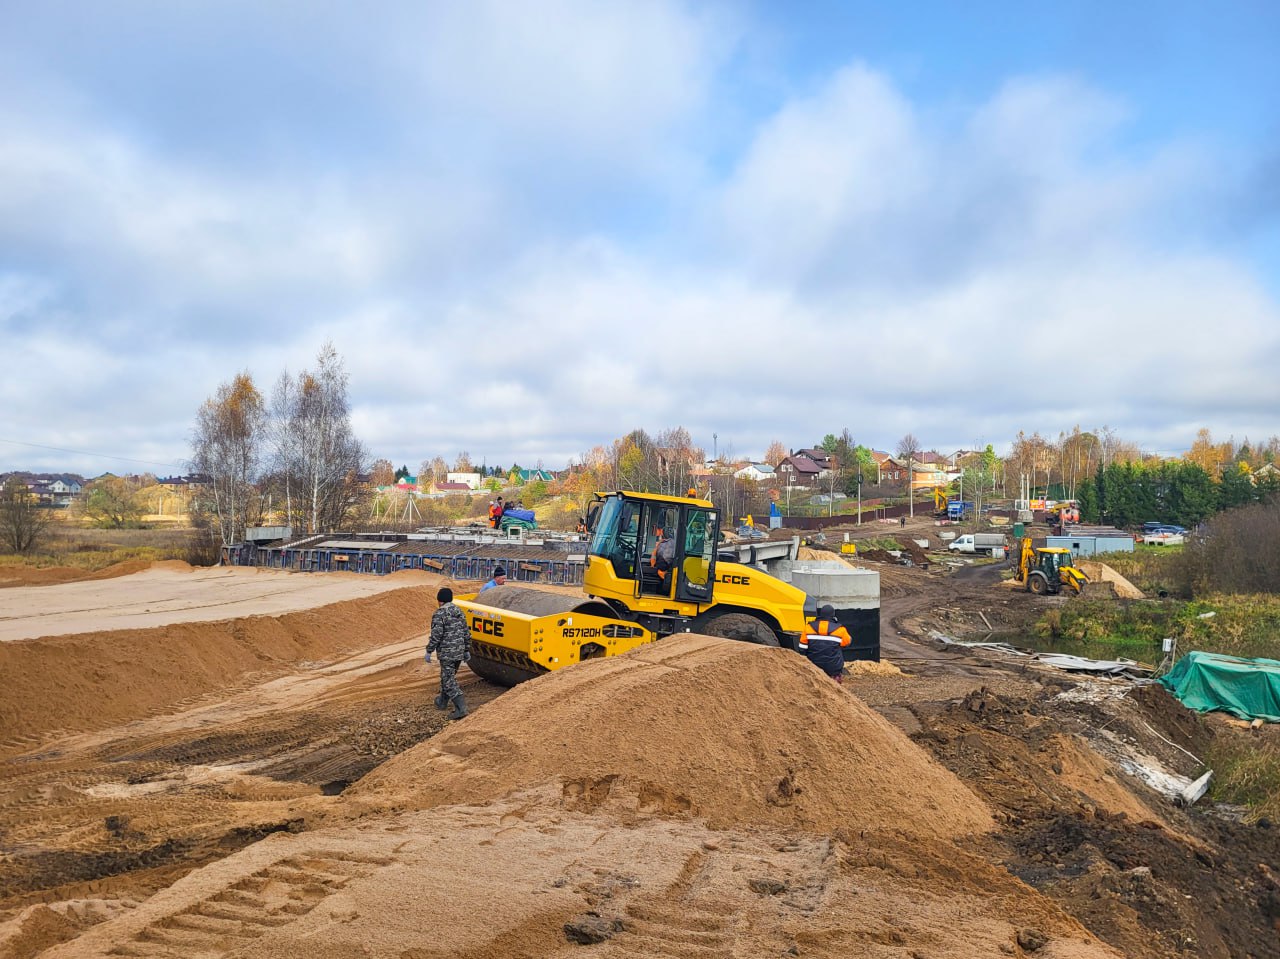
{"type": "Point", "coordinates": [909, 549]}
{"type": "Point", "coordinates": [895, 579]}
{"type": "Point", "coordinates": [726, 731]}
{"type": "Point", "coordinates": [94, 680]}
{"type": "Point", "coordinates": [912, 549]}
{"type": "Point", "coordinates": [876, 556]}
{"type": "Point", "coordinates": [53, 575]}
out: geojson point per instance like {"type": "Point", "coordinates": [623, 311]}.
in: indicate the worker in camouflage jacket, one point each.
{"type": "Point", "coordinates": [451, 641]}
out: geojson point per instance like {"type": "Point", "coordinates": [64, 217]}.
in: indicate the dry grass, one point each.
{"type": "Point", "coordinates": [92, 549]}
{"type": "Point", "coordinates": [1155, 570]}
{"type": "Point", "coordinates": [1247, 772]}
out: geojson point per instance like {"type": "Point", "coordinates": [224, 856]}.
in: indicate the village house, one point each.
{"type": "Point", "coordinates": [757, 472]}
{"type": "Point", "coordinates": [449, 486]}
{"type": "Point", "coordinates": [518, 477]}
{"type": "Point", "coordinates": [58, 491]}
{"type": "Point", "coordinates": [797, 470]}
{"type": "Point", "coordinates": [931, 475]}
{"type": "Point", "coordinates": [819, 456]}
{"type": "Point", "coordinates": [888, 468]}
{"type": "Point", "coordinates": [49, 489]}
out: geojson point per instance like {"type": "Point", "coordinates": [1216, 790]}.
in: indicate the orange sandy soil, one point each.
{"type": "Point", "coordinates": [278, 784]}
{"type": "Point", "coordinates": [48, 575]}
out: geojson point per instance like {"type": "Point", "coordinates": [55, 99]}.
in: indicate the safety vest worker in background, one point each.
{"type": "Point", "coordinates": [824, 643]}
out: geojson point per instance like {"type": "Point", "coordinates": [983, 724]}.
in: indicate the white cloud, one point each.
{"type": "Point", "coordinates": [818, 169]}
{"type": "Point", "coordinates": [544, 260]}
{"type": "Point", "coordinates": [586, 82]}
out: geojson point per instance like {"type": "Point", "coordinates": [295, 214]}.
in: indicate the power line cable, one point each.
{"type": "Point", "coordinates": [105, 456]}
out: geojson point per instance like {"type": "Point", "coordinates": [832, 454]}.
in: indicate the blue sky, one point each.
{"type": "Point", "coordinates": [531, 228]}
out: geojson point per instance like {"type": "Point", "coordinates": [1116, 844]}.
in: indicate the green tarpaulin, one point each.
{"type": "Point", "coordinates": [1246, 688]}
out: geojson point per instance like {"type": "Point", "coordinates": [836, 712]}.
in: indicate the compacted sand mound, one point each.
{"type": "Point", "coordinates": [169, 593]}
{"type": "Point", "coordinates": [719, 730]}
{"type": "Point", "coordinates": [52, 575]}
{"type": "Point", "coordinates": [91, 680]}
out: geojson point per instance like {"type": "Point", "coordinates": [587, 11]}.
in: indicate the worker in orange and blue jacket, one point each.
{"type": "Point", "coordinates": [824, 641]}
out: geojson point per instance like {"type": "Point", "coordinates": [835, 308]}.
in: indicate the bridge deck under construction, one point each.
{"type": "Point", "coordinates": [452, 553]}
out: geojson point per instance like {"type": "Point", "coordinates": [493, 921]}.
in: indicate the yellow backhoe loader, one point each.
{"type": "Point", "coordinates": [1048, 570]}
{"type": "Point", "coordinates": [652, 569]}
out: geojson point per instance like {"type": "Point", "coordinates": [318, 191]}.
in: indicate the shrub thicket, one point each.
{"type": "Point", "coordinates": [1235, 552]}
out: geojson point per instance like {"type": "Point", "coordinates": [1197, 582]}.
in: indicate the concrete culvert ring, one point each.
{"type": "Point", "coordinates": [740, 626]}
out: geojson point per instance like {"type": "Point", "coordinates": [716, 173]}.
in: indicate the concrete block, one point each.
{"type": "Point", "coordinates": [830, 581]}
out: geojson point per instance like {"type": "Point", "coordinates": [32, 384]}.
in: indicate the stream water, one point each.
{"type": "Point", "coordinates": [1101, 648]}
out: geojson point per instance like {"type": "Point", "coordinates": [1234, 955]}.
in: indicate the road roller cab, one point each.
{"type": "Point", "coordinates": [652, 570]}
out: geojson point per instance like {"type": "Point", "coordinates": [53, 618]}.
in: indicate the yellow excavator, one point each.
{"type": "Point", "coordinates": [652, 570]}
{"type": "Point", "coordinates": [940, 500]}
{"type": "Point", "coordinates": [1048, 570]}
{"type": "Point", "coordinates": [1061, 514]}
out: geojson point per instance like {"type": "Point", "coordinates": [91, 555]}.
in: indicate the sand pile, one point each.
{"type": "Point", "coordinates": [724, 731]}
{"type": "Point", "coordinates": [51, 575]}
{"type": "Point", "coordinates": [866, 667]}
{"type": "Point", "coordinates": [523, 877]}
{"type": "Point", "coordinates": [87, 681]}
{"type": "Point", "coordinates": [809, 553]}
{"type": "Point", "coordinates": [1102, 573]}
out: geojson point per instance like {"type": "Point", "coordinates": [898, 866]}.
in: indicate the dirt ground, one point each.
{"type": "Point", "coordinates": [275, 780]}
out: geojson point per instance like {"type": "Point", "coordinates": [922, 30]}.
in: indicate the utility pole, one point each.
{"type": "Point", "coordinates": [831, 487]}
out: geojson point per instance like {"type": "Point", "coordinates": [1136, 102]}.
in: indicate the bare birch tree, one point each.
{"type": "Point", "coordinates": [318, 458]}
{"type": "Point", "coordinates": [432, 471]}
{"type": "Point", "coordinates": [909, 450]}
{"type": "Point", "coordinates": [287, 462]}
{"type": "Point", "coordinates": [676, 456]}
{"type": "Point", "coordinates": [227, 450]}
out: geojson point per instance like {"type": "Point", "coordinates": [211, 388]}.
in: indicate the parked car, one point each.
{"type": "Point", "coordinates": [1150, 528]}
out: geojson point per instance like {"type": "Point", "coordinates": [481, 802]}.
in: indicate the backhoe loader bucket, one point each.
{"type": "Point", "coordinates": [1091, 590]}
{"type": "Point", "coordinates": [519, 633]}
